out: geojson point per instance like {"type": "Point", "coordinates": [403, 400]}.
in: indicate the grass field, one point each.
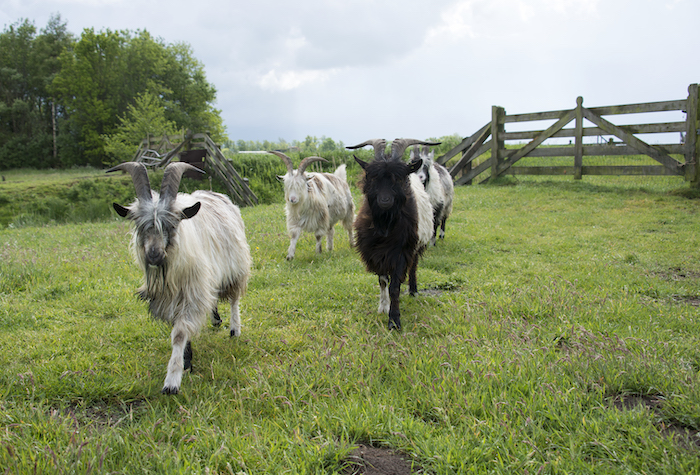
{"type": "Point", "coordinates": [556, 331]}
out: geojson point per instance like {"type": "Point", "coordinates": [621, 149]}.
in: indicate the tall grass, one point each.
{"type": "Point", "coordinates": [551, 307]}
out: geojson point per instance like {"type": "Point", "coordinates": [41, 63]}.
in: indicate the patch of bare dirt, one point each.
{"type": "Point", "coordinates": [101, 414]}
{"type": "Point", "coordinates": [676, 273]}
{"type": "Point", "coordinates": [368, 460]}
{"type": "Point", "coordinates": [693, 300]}
{"type": "Point", "coordinates": [686, 437]}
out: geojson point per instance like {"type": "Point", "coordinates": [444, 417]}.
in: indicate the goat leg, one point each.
{"type": "Point", "coordinates": [319, 241]}
{"type": "Point", "coordinates": [215, 317]}
{"type": "Point", "coordinates": [294, 235]}
{"type": "Point", "coordinates": [412, 282]}
{"type": "Point", "coordinates": [235, 323]}
{"type": "Point", "coordinates": [179, 338]}
{"type": "Point", "coordinates": [187, 357]}
{"type": "Point", "coordinates": [394, 294]}
{"type": "Point", "coordinates": [384, 304]}
{"type": "Point", "coordinates": [329, 238]}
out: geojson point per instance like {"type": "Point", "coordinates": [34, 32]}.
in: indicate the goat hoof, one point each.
{"type": "Point", "coordinates": [233, 333]}
{"type": "Point", "coordinates": [170, 390]}
{"type": "Point", "coordinates": [394, 325]}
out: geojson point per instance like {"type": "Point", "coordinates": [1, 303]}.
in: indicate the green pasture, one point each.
{"type": "Point", "coordinates": [556, 331]}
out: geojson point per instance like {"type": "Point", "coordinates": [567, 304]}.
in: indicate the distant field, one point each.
{"type": "Point", "coordinates": [556, 331]}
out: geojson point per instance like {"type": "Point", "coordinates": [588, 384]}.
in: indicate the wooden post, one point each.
{"type": "Point", "coordinates": [691, 137]}
{"type": "Point", "coordinates": [466, 170]}
{"type": "Point", "coordinates": [578, 144]}
{"type": "Point", "coordinates": [497, 143]}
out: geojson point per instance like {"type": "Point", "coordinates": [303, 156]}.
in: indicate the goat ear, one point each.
{"type": "Point", "coordinates": [121, 210]}
{"type": "Point", "coordinates": [187, 213]}
{"type": "Point", "coordinates": [415, 165]}
{"type": "Point", "coordinates": [362, 163]}
{"type": "Point", "coordinates": [280, 178]}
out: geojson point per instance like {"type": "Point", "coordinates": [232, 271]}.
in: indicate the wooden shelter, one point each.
{"type": "Point", "coordinates": [200, 151]}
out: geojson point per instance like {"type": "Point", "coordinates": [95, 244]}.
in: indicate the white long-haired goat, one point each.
{"type": "Point", "coordinates": [193, 251]}
{"type": "Point", "coordinates": [315, 202]}
{"type": "Point", "coordinates": [438, 184]}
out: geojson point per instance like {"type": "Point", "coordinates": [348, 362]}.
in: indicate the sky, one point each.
{"type": "Point", "coordinates": [355, 70]}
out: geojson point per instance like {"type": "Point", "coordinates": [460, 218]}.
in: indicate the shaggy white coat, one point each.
{"type": "Point", "coordinates": [314, 203]}
{"type": "Point", "coordinates": [440, 190]}
{"type": "Point", "coordinates": [209, 258]}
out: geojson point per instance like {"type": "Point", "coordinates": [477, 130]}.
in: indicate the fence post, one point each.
{"type": "Point", "coordinates": [691, 136]}
{"type": "Point", "coordinates": [466, 169]}
{"type": "Point", "coordinates": [578, 140]}
{"type": "Point", "coordinates": [497, 143]}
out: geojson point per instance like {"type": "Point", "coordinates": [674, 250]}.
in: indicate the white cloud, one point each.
{"type": "Point", "coordinates": [275, 81]}
{"type": "Point", "coordinates": [356, 69]}
{"type": "Point", "coordinates": [475, 19]}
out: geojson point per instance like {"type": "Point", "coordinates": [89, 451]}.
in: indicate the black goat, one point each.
{"type": "Point", "coordinates": [395, 222]}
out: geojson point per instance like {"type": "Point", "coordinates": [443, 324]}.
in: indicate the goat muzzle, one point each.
{"type": "Point", "coordinates": [155, 257]}
{"type": "Point", "coordinates": [385, 202]}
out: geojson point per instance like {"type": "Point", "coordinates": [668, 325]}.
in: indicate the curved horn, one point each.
{"type": "Point", "coordinates": [398, 146]}
{"type": "Point", "coordinates": [287, 161]}
{"type": "Point", "coordinates": [171, 179]}
{"type": "Point", "coordinates": [379, 146]}
{"type": "Point", "coordinates": [139, 176]}
{"type": "Point", "coordinates": [416, 152]}
{"type": "Point", "coordinates": [308, 161]}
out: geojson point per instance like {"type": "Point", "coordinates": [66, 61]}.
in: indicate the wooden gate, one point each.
{"type": "Point", "coordinates": [501, 160]}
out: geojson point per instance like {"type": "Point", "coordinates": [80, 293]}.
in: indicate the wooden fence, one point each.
{"type": "Point", "coordinates": [157, 152]}
{"type": "Point", "coordinates": [668, 159]}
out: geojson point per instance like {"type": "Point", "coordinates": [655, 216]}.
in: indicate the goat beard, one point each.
{"type": "Point", "coordinates": [384, 220]}
{"type": "Point", "coordinates": [155, 282]}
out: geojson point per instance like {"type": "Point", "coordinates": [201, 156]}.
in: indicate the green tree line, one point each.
{"type": "Point", "coordinates": [311, 144]}
{"type": "Point", "coordinates": [67, 101]}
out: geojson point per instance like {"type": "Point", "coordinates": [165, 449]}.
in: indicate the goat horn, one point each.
{"type": "Point", "coordinates": [416, 152]}
{"type": "Point", "coordinates": [398, 146]}
{"type": "Point", "coordinates": [308, 161]}
{"type": "Point", "coordinates": [139, 176]}
{"type": "Point", "coordinates": [379, 146]}
{"type": "Point", "coordinates": [287, 161]}
{"type": "Point", "coordinates": [171, 179]}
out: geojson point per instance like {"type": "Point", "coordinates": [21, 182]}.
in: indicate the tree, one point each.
{"type": "Point", "coordinates": [327, 145]}
{"type": "Point", "coordinates": [28, 64]}
{"type": "Point", "coordinates": [143, 119]}
{"type": "Point", "coordinates": [101, 78]}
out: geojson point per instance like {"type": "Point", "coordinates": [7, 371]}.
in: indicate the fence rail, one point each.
{"type": "Point", "coordinates": [159, 151]}
{"type": "Point", "coordinates": [502, 160]}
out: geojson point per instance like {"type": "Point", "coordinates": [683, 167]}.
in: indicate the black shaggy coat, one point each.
{"type": "Point", "coordinates": [386, 228]}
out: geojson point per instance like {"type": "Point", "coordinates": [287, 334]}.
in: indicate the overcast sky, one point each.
{"type": "Point", "coordinates": [359, 69]}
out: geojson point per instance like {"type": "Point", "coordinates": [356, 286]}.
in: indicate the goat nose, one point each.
{"type": "Point", "coordinates": [154, 257]}
{"type": "Point", "coordinates": [385, 202]}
